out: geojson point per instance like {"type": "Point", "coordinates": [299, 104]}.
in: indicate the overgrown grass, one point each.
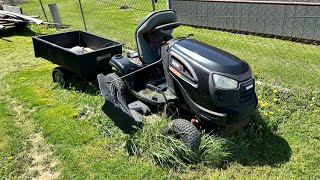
{"type": "Point", "coordinates": [13, 146]}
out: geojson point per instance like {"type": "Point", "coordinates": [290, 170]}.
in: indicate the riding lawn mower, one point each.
{"type": "Point", "coordinates": [199, 84]}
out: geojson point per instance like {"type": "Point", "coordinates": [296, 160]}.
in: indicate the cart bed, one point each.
{"type": "Point", "coordinates": [56, 49]}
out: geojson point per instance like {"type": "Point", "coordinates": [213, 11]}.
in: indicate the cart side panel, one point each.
{"type": "Point", "coordinates": [95, 63]}
{"type": "Point", "coordinates": [56, 55]}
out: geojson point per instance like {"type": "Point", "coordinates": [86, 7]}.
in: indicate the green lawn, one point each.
{"type": "Point", "coordinates": [281, 143]}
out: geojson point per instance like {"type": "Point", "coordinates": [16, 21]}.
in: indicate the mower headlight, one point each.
{"type": "Point", "coordinates": [223, 82]}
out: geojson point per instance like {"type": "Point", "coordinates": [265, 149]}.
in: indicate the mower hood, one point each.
{"type": "Point", "coordinates": [211, 58]}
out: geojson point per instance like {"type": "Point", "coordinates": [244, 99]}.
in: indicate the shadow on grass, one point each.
{"type": "Point", "coordinates": [82, 86]}
{"type": "Point", "coordinates": [21, 30]}
{"type": "Point", "coordinates": [258, 145]}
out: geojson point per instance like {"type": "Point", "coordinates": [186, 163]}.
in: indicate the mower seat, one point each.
{"type": "Point", "coordinates": [149, 34]}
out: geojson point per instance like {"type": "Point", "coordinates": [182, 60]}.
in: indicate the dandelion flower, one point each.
{"type": "Point", "coordinates": [264, 104]}
{"type": "Point", "coordinates": [10, 158]}
{"type": "Point", "coordinates": [266, 114]}
{"type": "Point", "coordinates": [259, 97]}
{"type": "Point", "coordinates": [275, 99]}
{"type": "Point", "coordinates": [275, 91]}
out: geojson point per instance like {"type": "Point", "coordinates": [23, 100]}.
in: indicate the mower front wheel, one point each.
{"type": "Point", "coordinates": [184, 130]}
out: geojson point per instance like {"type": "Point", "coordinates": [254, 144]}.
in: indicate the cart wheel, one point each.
{"type": "Point", "coordinates": [59, 76]}
{"type": "Point", "coordinates": [184, 130]}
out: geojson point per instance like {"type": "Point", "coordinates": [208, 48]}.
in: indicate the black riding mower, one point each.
{"type": "Point", "coordinates": [204, 85]}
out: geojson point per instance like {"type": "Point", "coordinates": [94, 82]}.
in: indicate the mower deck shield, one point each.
{"type": "Point", "coordinates": [115, 106]}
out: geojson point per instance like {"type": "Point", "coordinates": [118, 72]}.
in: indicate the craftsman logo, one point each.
{"type": "Point", "coordinates": [249, 87]}
{"type": "Point", "coordinates": [175, 64]}
{"type": "Point", "coordinates": [107, 56]}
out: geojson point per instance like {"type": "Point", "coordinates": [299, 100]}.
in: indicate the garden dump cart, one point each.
{"type": "Point", "coordinates": [77, 53]}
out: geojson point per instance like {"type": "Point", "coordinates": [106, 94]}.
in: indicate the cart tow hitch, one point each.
{"type": "Point", "coordinates": [115, 107]}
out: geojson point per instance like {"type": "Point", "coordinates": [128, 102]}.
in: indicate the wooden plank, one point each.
{"type": "Point", "coordinates": [12, 20]}
{"type": "Point", "coordinates": [13, 9]}
{"type": "Point", "coordinates": [37, 21]}
{"type": "Point", "coordinates": [50, 23]}
{"type": "Point", "coordinates": [8, 24]}
{"type": "Point", "coordinates": [34, 16]}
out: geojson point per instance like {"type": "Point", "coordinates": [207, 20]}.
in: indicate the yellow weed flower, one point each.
{"type": "Point", "coordinates": [260, 126]}
{"type": "Point", "coordinates": [264, 104]}
{"type": "Point", "coordinates": [266, 114]}
{"type": "Point", "coordinates": [9, 158]}
{"type": "Point", "coordinates": [275, 99]}
{"type": "Point", "coordinates": [275, 91]}
{"type": "Point", "coordinates": [259, 97]}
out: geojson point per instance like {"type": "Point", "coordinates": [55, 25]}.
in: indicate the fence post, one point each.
{"type": "Point", "coordinates": [168, 4]}
{"type": "Point", "coordinates": [44, 12]}
{"type": "Point", "coordinates": [55, 15]}
{"type": "Point", "coordinates": [153, 5]}
{"type": "Point", "coordinates": [84, 21]}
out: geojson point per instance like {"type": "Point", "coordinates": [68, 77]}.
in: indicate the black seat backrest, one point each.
{"type": "Point", "coordinates": [149, 38]}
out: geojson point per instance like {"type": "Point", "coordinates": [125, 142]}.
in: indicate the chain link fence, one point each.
{"type": "Point", "coordinates": [118, 19]}
{"type": "Point", "coordinates": [279, 40]}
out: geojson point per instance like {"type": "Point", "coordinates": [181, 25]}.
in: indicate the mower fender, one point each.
{"type": "Point", "coordinates": [215, 117]}
{"type": "Point", "coordinates": [115, 107]}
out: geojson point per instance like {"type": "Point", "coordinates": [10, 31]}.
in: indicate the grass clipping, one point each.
{"type": "Point", "coordinates": [170, 152]}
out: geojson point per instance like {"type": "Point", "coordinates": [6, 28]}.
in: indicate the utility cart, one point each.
{"type": "Point", "coordinates": [77, 53]}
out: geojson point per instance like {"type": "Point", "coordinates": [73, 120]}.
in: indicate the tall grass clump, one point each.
{"type": "Point", "coordinates": [171, 152]}
{"type": "Point", "coordinates": [174, 153]}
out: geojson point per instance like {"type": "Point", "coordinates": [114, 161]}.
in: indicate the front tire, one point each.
{"type": "Point", "coordinates": [184, 130]}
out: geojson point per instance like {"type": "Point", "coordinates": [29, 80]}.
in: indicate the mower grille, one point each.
{"type": "Point", "coordinates": [246, 95]}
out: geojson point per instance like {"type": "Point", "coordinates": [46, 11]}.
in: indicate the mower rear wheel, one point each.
{"type": "Point", "coordinates": [59, 75]}
{"type": "Point", "coordinates": [184, 130]}
{"type": "Point", "coordinates": [120, 85]}
{"type": "Point", "coordinates": [123, 92]}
